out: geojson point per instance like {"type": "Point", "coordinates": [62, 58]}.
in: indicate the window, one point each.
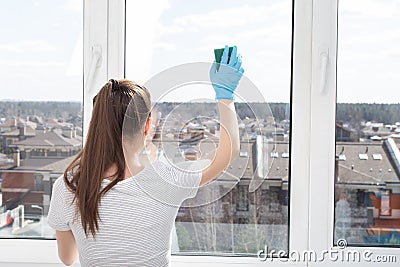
{"type": "Point", "coordinates": [385, 209]}
{"type": "Point", "coordinates": [227, 217]}
{"type": "Point", "coordinates": [274, 154]}
{"type": "Point", "coordinates": [367, 196]}
{"type": "Point", "coordinates": [40, 111]}
{"type": "Point", "coordinates": [243, 154]}
{"type": "Point", "coordinates": [242, 201]}
{"type": "Point", "coordinates": [327, 180]}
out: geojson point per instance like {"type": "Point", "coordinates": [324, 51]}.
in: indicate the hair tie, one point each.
{"type": "Point", "coordinates": [114, 86]}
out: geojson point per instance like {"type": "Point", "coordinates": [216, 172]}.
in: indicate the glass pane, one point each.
{"type": "Point", "coordinates": [40, 109]}
{"type": "Point", "coordinates": [367, 185]}
{"type": "Point", "coordinates": [227, 216]}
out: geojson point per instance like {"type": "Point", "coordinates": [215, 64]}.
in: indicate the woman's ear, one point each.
{"type": "Point", "coordinates": [147, 126]}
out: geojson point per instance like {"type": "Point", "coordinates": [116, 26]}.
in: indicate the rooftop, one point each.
{"type": "Point", "coordinates": [377, 167]}
{"type": "Point", "coordinates": [33, 164]}
{"type": "Point", "coordinates": [49, 139]}
{"type": "Point", "coordinates": [29, 131]}
{"type": "Point", "coordinates": [57, 166]}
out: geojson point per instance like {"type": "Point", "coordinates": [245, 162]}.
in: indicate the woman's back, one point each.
{"type": "Point", "coordinates": [137, 216]}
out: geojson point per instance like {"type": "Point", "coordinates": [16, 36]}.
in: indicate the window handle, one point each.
{"type": "Point", "coordinates": [324, 59]}
{"type": "Point", "coordinates": [95, 63]}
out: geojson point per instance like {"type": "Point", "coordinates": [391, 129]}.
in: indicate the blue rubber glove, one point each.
{"type": "Point", "coordinates": [227, 77]}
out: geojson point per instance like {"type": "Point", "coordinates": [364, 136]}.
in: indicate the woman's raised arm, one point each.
{"type": "Point", "coordinates": [224, 80]}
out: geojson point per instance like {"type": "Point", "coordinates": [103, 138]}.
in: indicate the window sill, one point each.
{"type": "Point", "coordinates": [26, 252]}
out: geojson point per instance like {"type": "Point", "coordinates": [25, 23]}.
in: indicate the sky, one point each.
{"type": "Point", "coordinates": [181, 31]}
{"type": "Point", "coordinates": [369, 51]}
{"type": "Point", "coordinates": [41, 46]}
{"type": "Point", "coordinates": [41, 50]}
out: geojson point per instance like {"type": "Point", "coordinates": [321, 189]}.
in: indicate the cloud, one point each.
{"type": "Point", "coordinates": [272, 33]}
{"type": "Point", "coordinates": [265, 25]}
{"type": "Point", "coordinates": [172, 29]}
{"type": "Point", "coordinates": [230, 18]}
{"type": "Point", "coordinates": [75, 66]}
{"type": "Point", "coordinates": [371, 8]}
{"type": "Point", "coordinates": [30, 63]}
{"type": "Point", "coordinates": [27, 46]}
{"type": "Point", "coordinates": [261, 31]}
{"type": "Point", "coordinates": [394, 52]}
{"type": "Point", "coordinates": [142, 21]}
{"type": "Point", "coordinates": [74, 5]}
{"type": "Point", "coordinates": [165, 46]}
{"type": "Point", "coordinates": [384, 36]}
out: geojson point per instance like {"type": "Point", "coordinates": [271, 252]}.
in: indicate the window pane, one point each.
{"type": "Point", "coordinates": [367, 185]}
{"type": "Point", "coordinates": [226, 217]}
{"type": "Point", "coordinates": [40, 109]}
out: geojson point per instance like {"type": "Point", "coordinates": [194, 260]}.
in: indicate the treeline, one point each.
{"type": "Point", "coordinates": [186, 111]}
{"type": "Point", "coordinates": [349, 113]}
{"type": "Point", "coordinates": [46, 109]}
{"type": "Point", "coordinates": [355, 113]}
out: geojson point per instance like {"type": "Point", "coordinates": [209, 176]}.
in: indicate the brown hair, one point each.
{"type": "Point", "coordinates": [104, 146]}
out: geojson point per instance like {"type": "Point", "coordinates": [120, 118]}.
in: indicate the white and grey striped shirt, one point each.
{"type": "Point", "coordinates": [137, 216]}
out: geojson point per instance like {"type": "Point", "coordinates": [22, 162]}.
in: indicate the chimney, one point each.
{"type": "Point", "coordinates": [22, 131]}
{"type": "Point", "coordinates": [40, 129]}
{"type": "Point", "coordinates": [17, 158]}
{"type": "Point", "coordinates": [67, 131]}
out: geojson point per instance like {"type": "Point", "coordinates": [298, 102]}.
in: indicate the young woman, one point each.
{"type": "Point", "coordinates": [111, 210]}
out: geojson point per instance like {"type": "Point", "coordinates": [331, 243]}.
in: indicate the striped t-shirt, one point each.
{"type": "Point", "coordinates": [137, 216]}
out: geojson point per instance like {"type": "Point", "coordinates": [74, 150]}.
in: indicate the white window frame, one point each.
{"type": "Point", "coordinates": [322, 136]}
{"type": "Point", "coordinates": [104, 35]}
{"type": "Point", "coordinates": [104, 39]}
{"type": "Point", "coordinates": [312, 142]}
